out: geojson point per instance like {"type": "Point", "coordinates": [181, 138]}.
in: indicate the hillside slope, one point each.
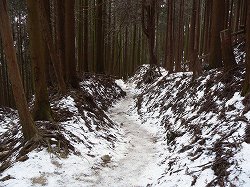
{"type": "Point", "coordinates": [167, 131]}
{"type": "Point", "coordinates": [201, 127]}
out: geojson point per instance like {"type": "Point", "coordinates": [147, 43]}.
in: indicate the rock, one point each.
{"type": "Point", "coordinates": [106, 158]}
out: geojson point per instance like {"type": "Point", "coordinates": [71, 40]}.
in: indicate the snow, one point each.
{"type": "Point", "coordinates": [133, 159]}
{"type": "Point", "coordinates": [138, 166]}
{"type": "Point", "coordinates": [236, 100]}
{"type": "Point", "coordinates": [165, 135]}
{"type": "Point", "coordinates": [121, 83]}
{"type": "Point", "coordinates": [68, 103]}
{"type": "Point", "coordinates": [7, 120]}
{"type": "Point", "coordinates": [244, 173]}
{"type": "Point", "coordinates": [47, 169]}
{"type": "Point", "coordinates": [189, 160]}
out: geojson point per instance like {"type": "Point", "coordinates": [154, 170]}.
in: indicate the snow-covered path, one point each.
{"type": "Point", "coordinates": [138, 167]}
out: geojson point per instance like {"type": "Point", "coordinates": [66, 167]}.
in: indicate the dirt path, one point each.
{"type": "Point", "coordinates": [138, 166]}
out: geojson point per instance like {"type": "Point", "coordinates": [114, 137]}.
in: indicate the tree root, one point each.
{"type": "Point", "coordinates": [15, 149]}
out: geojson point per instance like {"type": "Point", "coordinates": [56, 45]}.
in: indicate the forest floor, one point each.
{"type": "Point", "coordinates": [124, 154]}
{"type": "Point", "coordinates": [155, 129]}
{"type": "Point", "coordinates": [139, 166]}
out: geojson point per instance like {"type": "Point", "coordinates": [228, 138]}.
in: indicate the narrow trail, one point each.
{"type": "Point", "coordinates": [138, 166]}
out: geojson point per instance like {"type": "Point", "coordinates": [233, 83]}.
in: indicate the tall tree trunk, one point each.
{"type": "Point", "coordinates": [114, 48]}
{"type": "Point", "coordinates": [191, 47]}
{"type": "Point", "coordinates": [246, 86]}
{"type": "Point", "coordinates": [134, 48]}
{"type": "Point", "coordinates": [86, 37]}
{"type": "Point", "coordinates": [80, 36]}
{"type": "Point", "coordinates": [227, 7]}
{"type": "Point", "coordinates": [148, 25]}
{"type": "Point", "coordinates": [180, 37]}
{"type": "Point", "coordinates": [218, 15]}
{"type": "Point", "coordinates": [125, 55]}
{"type": "Point", "coordinates": [1, 85]}
{"type": "Point", "coordinates": [169, 38]}
{"type": "Point", "coordinates": [206, 26]}
{"type": "Point", "coordinates": [197, 63]}
{"type": "Point", "coordinates": [237, 15]}
{"type": "Point", "coordinates": [47, 17]}
{"type": "Point", "coordinates": [99, 37]}
{"type": "Point", "coordinates": [244, 13]}
{"type": "Point", "coordinates": [140, 48]}
{"type": "Point", "coordinates": [108, 43]}
{"type": "Point", "coordinates": [54, 55]}
{"type": "Point", "coordinates": [29, 129]}
{"type": "Point", "coordinates": [209, 25]}
{"type": "Point", "coordinates": [186, 44]}
{"type": "Point", "coordinates": [227, 49]}
{"type": "Point", "coordinates": [42, 110]}
{"type": "Point", "coordinates": [60, 35]}
{"type": "Point", "coordinates": [70, 43]}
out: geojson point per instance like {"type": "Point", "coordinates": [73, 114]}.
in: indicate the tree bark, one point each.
{"type": "Point", "coordinates": [86, 37]}
{"type": "Point", "coordinates": [1, 85]}
{"type": "Point", "coordinates": [227, 49]}
{"type": "Point", "coordinates": [192, 52]}
{"type": "Point", "coordinates": [42, 110]}
{"type": "Point", "coordinates": [169, 38]}
{"type": "Point", "coordinates": [99, 37]}
{"type": "Point", "coordinates": [55, 57]}
{"type": "Point", "coordinates": [29, 129]}
{"type": "Point", "coordinates": [70, 43]}
{"type": "Point", "coordinates": [180, 37]}
{"type": "Point", "coordinates": [218, 15]}
{"type": "Point", "coordinates": [80, 20]}
{"type": "Point", "coordinates": [60, 35]}
{"type": "Point", "coordinates": [148, 26]}
{"type": "Point", "coordinates": [246, 86]}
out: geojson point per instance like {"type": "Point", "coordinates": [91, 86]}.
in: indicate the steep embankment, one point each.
{"type": "Point", "coordinates": [81, 121]}
{"type": "Point", "coordinates": [204, 122]}
{"type": "Point", "coordinates": [168, 131]}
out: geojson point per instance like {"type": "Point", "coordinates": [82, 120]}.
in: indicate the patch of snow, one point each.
{"type": "Point", "coordinates": [121, 83]}
{"type": "Point", "coordinates": [68, 103]}
{"type": "Point", "coordinates": [236, 101]}
{"type": "Point", "coordinates": [243, 170]}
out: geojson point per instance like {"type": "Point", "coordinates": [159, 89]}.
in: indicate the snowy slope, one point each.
{"type": "Point", "coordinates": [83, 122]}
{"type": "Point", "coordinates": [201, 127]}
{"type": "Point", "coordinates": [168, 131]}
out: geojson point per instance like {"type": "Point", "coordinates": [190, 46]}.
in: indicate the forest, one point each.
{"type": "Point", "coordinates": [123, 93]}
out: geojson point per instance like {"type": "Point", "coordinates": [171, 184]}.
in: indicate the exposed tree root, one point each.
{"type": "Point", "coordinates": [15, 149]}
{"type": "Point", "coordinates": [91, 105]}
